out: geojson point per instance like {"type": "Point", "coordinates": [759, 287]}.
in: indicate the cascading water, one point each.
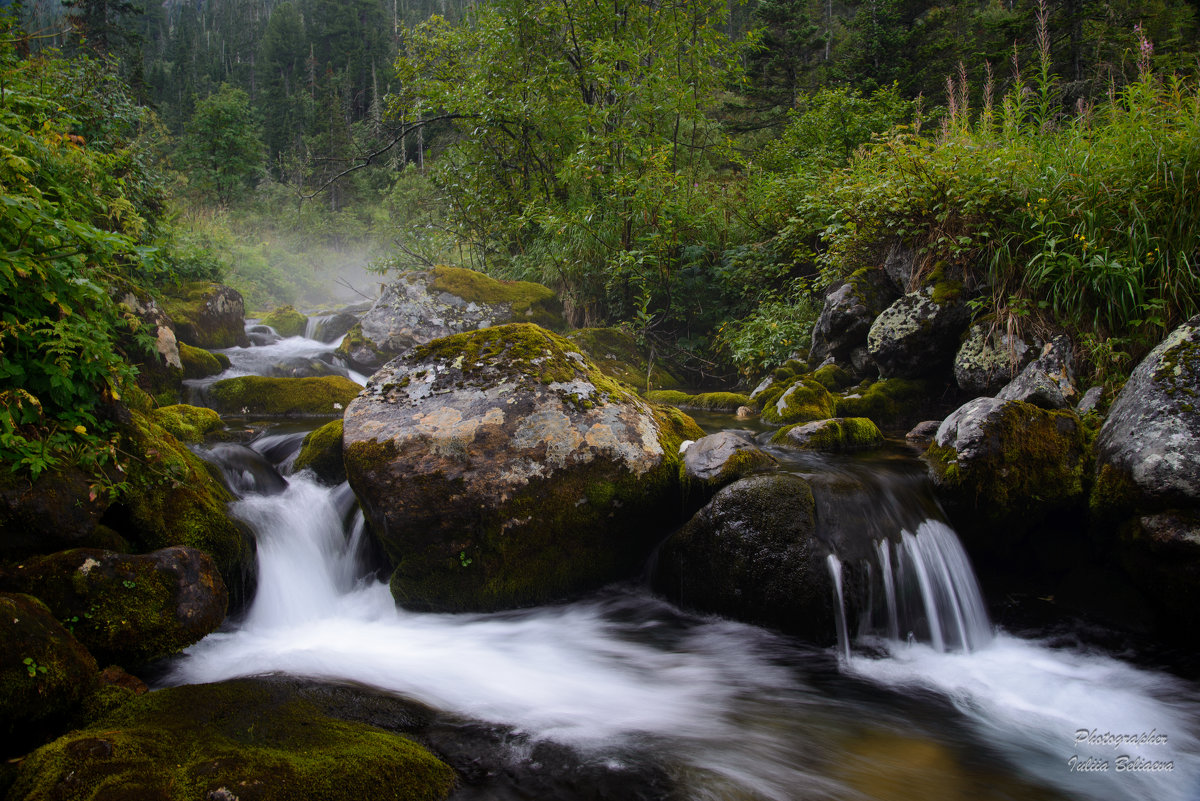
{"type": "Point", "coordinates": [730, 711]}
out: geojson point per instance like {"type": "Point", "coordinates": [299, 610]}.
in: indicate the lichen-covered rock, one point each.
{"type": "Point", "coordinates": [160, 374]}
{"type": "Point", "coordinates": [501, 468]}
{"type": "Point", "coordinates": [1002, 467]}
{"type": "Point", "coordinates": [752, 554]}
{"type": "Point", "coordinates": [322, 453]}
{"type": "Point", "coordinates": [360, 353]}
{"type": "Point", "coordinates": [917, 335]}
{"type": "Point", "coordinates": [1148, 450]}
{"type": "Point", "coordinates": [247, 739]}
{"type": "Point", "coordinates": [706, 401]}
{"type": "Point", "coordinates": [617, 353]}
{"type": "Point", "coordinates": [846, 317]}
{"type": "Point", "coordinates": [200, 363]}
{"type": "Point", "coordinates": [803, 400]}
{"type": "Point", "coordinates": [261, 396]}
{"type": "Point", "coordinates": [836, 435]}
{"type": "Point", "coordinates": [286, 321]}
{"type": "Point", "coordinates": [207, 315]}
{"type": "Point", "coordinates": [1048, 381]}
{"type": "Point", "coordinates": [60, 510]}
{"type": "Point", "coordinates": [44, 674]}
{"type": "Point", "coordinates": [424, 305]}
{"type": "Point", "coordinates": [888, 402]}
{"type": "Point", "coordinates": [189, 424]}
{"type": "Point", "coordinates": [988, 359]}
{"type": "Point", "coordinates": [719, 459]}
{"type": "Point", "coordinates": [173, 499]}
{"type": "Point", "coordinates": [127, 609]}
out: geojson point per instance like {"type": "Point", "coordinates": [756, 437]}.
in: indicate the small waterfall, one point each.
{"type": "Point", "coordinates": [839, 608]}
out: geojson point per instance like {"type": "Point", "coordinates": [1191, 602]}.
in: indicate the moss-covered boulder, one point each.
{"type": "Point", "coordinates": [752, 554]}
{"type": "Point", "coordinates": [44, 674]}
{"type": "Point", "coordinates": [173, 499]}
{"type": "Point", "coordinates": [260, 396]}
{"type": "Point", "coordinates": [833, 378]}
{"type": "Point", "coordinates": [322, 453]}
{"type": "Point", "coordinates": [61, 509]}
{"type": "Point", "coordinates": [424, 305]}
{"type": "Point", "coordinates": [720, 459]}
{"type": "Point", "coordinates": [188, 423]}
{"type": "Point", "coordinates": [836, 435]}
{"type": "Point", "coordinates": [286, 321]}
{"type": "Point", "coordinates": [502, 468]}
{"type": "Point", "coordinates": [617, 353]}
{"type": "Point", "coordinates": [250, 740]}
{"type": "Point", "coordinates": [802, 400]}
{"type": "Point", "coordinates": [706, 401]}
{"type": "Point", "coordinates": [889, 402]}
{"type": "Point", "coordinates": [127, 609]}
{"type": "Point", "coordinates": [989, 358]}
{"type": "Point", "coordinates": [207, 315]}
{"type": "Point", "coordinates": [361, 353]}
{"type": "Point", "coordinates": [1001, 468]}
{"type": "Point", "coordinates": [918, 335]}
{"type": "Point", "coordinates": [200, 363]}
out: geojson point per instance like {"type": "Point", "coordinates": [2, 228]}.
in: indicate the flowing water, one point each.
{"type": "Point", "coordinates": [922, 699]}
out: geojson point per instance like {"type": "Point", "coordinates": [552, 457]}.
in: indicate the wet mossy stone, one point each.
{"type": "Point", "coordinates": [246, 739]}
{"type": "Point", "coordinates": [752, 554]}
{"type": "Point", "coordinates": [501, 468]}
{"type": "Point", "coordinates": [1148, 450]}
{"type": "Point", "coordinates": [847, 314]}
{"type": "Point", "coordinates": [189, 424]}
{"type": "Point", "coordinates": [286, 321]}
{"type": "Point", "coordinates": [172, 498]}
{"type": "Point", "coordinates": [707, 401]}
{"type": "Point", "coordinates": [833, 377]}
{"type": "Point", "coordinates": [45, 674]}
{"type": "Point", "coordinates": [200, 363]}
{"type": "Point", "coordinates": [917, 336]}
{"type": "Point", "coordinates": [617, 353]}
{"type": "Point", "coordinates": [801, 401]}
{"type": "Point", "coordinates": [888, 402]}
{"type": "Point", "coordinates": [59, 510]}
{"type": "Point", "coordinates": [360, 352]}
{"type": "Point", "coordinates": [259, 396]}
{"type": "Point", "coordinates": [836, 435]}
{"type": "Point", "coordinates": [322, 453]}
{"type": "Point", "coordinates": [720, 459]}
{"type": "Point", "coordinates": [1001, 468]}
{"type": "Point", "coordinates": [423, 305]}
{"type": "Point", "coordinates": [207, 315]}
{"type": "Point", "coordinates": [127, 609]}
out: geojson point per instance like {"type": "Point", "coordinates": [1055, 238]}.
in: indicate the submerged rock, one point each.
{"type": "Point", "coordinates": [501, 468]}
{"type": "Point", "coordinates": [127, 609]}
{"type": "Point", "coordinates": [44, 674]}
{"type": "Point", "coordinates": [835, 435]}
{"type": "Point", "coordinates": [260, 396]}
{"type": "Point", "coordinates": [752, 554]}
{"type": "Point", "coordinates": [917, 336]}
{"type": "Point", "coordinates": [208, 315]}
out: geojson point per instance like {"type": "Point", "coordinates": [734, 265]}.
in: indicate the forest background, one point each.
{"type": "Point", "coordinates": [700, 172]}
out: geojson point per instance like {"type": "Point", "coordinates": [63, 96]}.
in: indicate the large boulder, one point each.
{"type": "Point", "coordinates": [802, 400]}
{"type": "Point", "coordinates": [752, 554]}
{"type": "Point", "coordinates": [127, 609]}
{"type": "Point", "coordinates": [322, 453]}
{"type": "Point", "coordinates": [1148, 450]}
{"type": "Point", "coordinates": [917, 336]}
{"type": "Point", "coordinates": [44, 674]}
{"type": "Point", "coordinates": [846, 317]}
{"type": "Point", "coordinates": [254, 740]}
{"type": "Point", "coordinates": [261, 396]}
{"type": "Point", "coordinates": [428, 304]}
{"type": "Point", "coordinates": [1002, 468]}
{"type": "Point", "coordinates": [59, 510]}
{"type": "Point", "coordinates": [988, 359]}
{"type": "Point", "coordinates": [286, 321]}
{"type": "Point", "coordinates": [207, 315]}
{"type": "Point", "coordinates": [501, 468]}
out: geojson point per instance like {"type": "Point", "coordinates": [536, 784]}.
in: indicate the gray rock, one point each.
{"type": "Point", "coordinates": [719, 459]}
{"type": "Point", "coordinates": [917, 337]}
{"type": "Point", "coordinates": [1048, 381]}
{"type": "Point", "coordinates": [987, 360]}
{"type": "Point", "coordinates": [922, 433]}
{"type": "Point", "coordinates": [846, 317]}
{"type": "Point", "coordinates": [900, 267]}
{"type": "Point", "coordinates": [1090, 401]}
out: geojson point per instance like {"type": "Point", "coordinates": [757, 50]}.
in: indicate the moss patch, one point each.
{"type": "Point", "coordinates": [188, 423]}
{"type": "Point", "coordinates": [885, 402]}
{"type": "Point", "coordinates": [832, 436]}
{"type": "Point", "coordinates": [803, 400]}
{"type": "Point", "coordinates": [833, 378]}
{"type": "Point", "coordinates": [532, 303]}
{"type": "Point", "coordinates": [286, 321]}
{"type": "Point", "coordinates": [206, 315]}
{"type": "Point", "coordinates": [199, 363]}
{"type": "Point", "coordinates": [322, 453]}
{"type": "Point", "coordinates": [257, 396]}
{"type": "Point", "coordinates": [257, 741]}
{"type": "Point", "coordinates": [708, 401]}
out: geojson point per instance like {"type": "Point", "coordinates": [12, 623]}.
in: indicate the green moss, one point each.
{"type": "Point", "coordinates": [286, 321]}
{"type": "Point", "coordinates": [945, 289]}
{"type": "Point", "coordinates": [530, 302]}
{"type": "Point", "coordinates": [833, 436]}
{"type": "Point", "coordinates": [801, 401]}
{"type": "Point", "coordinates": [187, 305]}
{"type": "Point", "coordinates": [257, 740]}
{"type": "Point", "coordinates": [259, 396]}
{"type": "Point", "coordinates": [833, 378]}
{"type": "Point", "coordinates": [1114, 496]}
{"type": "Point", "coordinates": [199, 363]}
{"type": "Point", "coordinates": [708, 401]}
{"type": "Point", "coordinates": [616, 352]}
{"type": "Point", "coordinates": [322, 453]}
{"type": "Point", "coordinates": [188, 423]}
{"type": "Point", "coordinates": [671, 396]}
{"type": "Point", "coordinates": [885, 402]}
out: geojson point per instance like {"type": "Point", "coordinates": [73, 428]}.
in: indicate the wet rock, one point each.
{"type": "Point", "coordinates": [988, 359]}
{"type": "Point", "coordinates": [333, 327]}
{"type": "Point", "coordinates": [752, 554]}
{"type": "Point", "coordinates": [256, 740]}
{"type": "Point", "coordinates": [208, 315]}
{"type": "Point", "coordinates": [719, 459]}
{"type": "Point", "coordinates": [922, 433]}
{"type": "Point", "coordinates": [1003, 467]}
{"type": "Point", "coordinates": [301, 367]}
{"type": "Point", "coordinates": [45, 674]}
{"type": "Point", "coordinates": [836, 435]}
{"type": "Point", "coordinates": [199, 363]}
{"type": "Point", "coordinates": [917, 336]}
{"type": "Point", "coordinates": [286, 321]}
{"type": "Point", "coordinates": [501, 468]}
{"type": "Point", "coordinates": [1148, 450]}
{"type": "Point", "coordinates": [260, 335]}
{"type": "Point", "coordinates": [189, 424]}
{"type": "Point", "coordinates": [803, 400]}
{"type": "Point", "coordinates": [60, 510]}
{"type": "Point", "coordinates": [259, 396]}
{"type": "Point", "coordinates": [847, 315]}
{"type": "Point", "coordinates": [127, 609]}
{"type": "Point", "coordinates": [1161, 554]}
{"type": "Point", "coordinates": [1048, 381]}
{"type": "Point", "coordinates": [322, 453]}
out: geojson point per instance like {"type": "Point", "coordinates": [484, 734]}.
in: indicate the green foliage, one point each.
{"type": "Point", "coordinates": [774, 331]}
{"type": "Point", "coordinates": [222, 145]}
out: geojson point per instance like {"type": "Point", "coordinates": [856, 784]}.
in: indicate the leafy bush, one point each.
{"type": "Point", "coordinates": [769, 336]}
